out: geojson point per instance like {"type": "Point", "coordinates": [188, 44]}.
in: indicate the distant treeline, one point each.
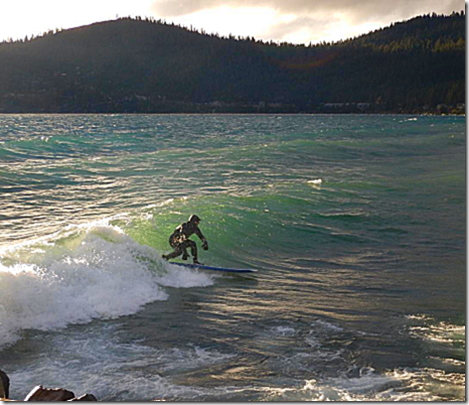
{"type": "Point", "coordinates": [145, 65]}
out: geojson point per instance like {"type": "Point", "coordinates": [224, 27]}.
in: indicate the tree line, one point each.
{"type": "Point", "coordinates": [147, 65]}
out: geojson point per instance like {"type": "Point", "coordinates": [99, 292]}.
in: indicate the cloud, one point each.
{"type": "Point", "coordinates": [356, 10]}
{"type": "Point", "coordinates": [300, 30]}
{"type": "Point", "coordinates": [19, 18]}
{"type": "Point", "coordinates": [297, 21]}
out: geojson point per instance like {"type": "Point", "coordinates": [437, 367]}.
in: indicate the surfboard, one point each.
{"type": "Point", "coordinates": [221, 269]}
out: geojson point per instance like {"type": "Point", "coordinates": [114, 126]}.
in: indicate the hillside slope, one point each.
{"type": "Point", "coordinates": [132, 65]}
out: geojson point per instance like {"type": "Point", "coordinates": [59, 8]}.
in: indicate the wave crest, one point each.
{"type": "Point", "coordinates": [102, 274]}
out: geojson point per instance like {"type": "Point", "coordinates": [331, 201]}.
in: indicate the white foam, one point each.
{"type": "Point", "coordinates": [69, 230]}
{"type": "Point", "coordinates": [326, 326]}
{"type": "Point", "coordinates": [99, 363]}
{"type": "Point", "coordinates": [183, 278]}
{"type": "Point", "coordinates": [313, 342]}
{"type": "Point", "coordinates": [106, 276]}
{"type": "Point", "coordinates": [441, 332]}
{"type": "Point", "coordinates": [419, 317]}
{"type": "Point", "coordinates": [397, 385]}
{"type": "Point", "coordinates": [284, 330]}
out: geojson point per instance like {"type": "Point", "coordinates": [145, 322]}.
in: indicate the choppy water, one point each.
{"type": "Point", "coordinates": [356, 225]}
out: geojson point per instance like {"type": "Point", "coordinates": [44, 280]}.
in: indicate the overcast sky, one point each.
{"type": "Point", "coordinates": [297, 21]}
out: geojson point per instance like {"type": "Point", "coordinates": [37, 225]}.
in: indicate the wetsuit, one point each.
{"type": "Point", "coordinates": [179, 241]}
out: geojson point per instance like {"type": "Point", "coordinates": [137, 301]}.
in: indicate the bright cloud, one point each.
{"type": "Point", "coordinates": [298, 21]}
{"type": "Point", "coordinates": [243, 21]}
{"type": "Point", "coordinates": [19, 18]}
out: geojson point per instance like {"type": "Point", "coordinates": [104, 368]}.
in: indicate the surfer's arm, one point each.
{"type": "Point", "coordinates": [198, 232]}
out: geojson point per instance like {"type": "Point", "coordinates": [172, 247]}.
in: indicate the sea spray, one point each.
{"type": "Point", "coordinates": [104, 274]}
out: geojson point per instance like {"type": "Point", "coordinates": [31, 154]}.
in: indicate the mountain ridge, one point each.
{"type": "Point", "coordinates": [146, 66]}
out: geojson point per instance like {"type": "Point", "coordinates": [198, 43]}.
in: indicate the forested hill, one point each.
{"type": "Point", "coordinates": [135, 65]}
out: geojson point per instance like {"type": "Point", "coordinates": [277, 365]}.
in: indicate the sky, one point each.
{"type": "Point", "coordinates": [294, 21]}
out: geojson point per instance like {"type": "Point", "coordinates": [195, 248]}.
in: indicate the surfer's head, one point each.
{"type": "Point", "coordinates": [194, 219]}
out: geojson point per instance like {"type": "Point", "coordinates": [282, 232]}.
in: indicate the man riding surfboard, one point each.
{"type": "Point", "coordinates": [179, 240]}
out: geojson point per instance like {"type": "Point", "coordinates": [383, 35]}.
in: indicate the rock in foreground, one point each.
{"type": "Point", "coordinates": [40, 393]}
{"type": "Point", "coordinates": [4, 385]}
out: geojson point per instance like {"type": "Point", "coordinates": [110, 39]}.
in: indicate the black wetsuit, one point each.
{"type": "Point", "coordinates": [179, 240]}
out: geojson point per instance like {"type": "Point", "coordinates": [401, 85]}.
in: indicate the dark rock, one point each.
{"type": "Point", "coordinates": [4, 385]}
{"type": "Point", "coordinates": [86, 397]}
{"type": "Point", "coordinates": [40, 393]}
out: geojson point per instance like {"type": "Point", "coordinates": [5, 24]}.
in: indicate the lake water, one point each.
{"type": "Point", "coordinates": [356, 225]}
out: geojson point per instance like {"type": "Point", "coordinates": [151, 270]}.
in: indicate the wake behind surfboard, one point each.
{"type": "Point", "coordinates": [221, 269]}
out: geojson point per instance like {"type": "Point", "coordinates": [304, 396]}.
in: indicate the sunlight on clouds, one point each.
{"type": "Point", "coordinates": [286, 18]}
{"type": "Point", "coordinates": [267, 23]}
{"type": "Point", "coordinates": [297, 21]}
{"type": "Point", "coordinates": [341, 29]}
{"type": "Point", "coordinates": [19, 18]}
{"type": "Point", "coordinates": [333, 28]}
{"type": "Point", "coordinates": [302, 36]}
{"type": "Point", "coordinates": [244, 21]}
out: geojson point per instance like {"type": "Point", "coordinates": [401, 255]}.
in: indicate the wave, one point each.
{"type": "Point", "coordinates": [395, 385]}
{"type": "Point", "coordinates": [98, 273]}
{"type": "Point", "coordinates": [99, 361]}
{"type": "Point", "coordinates": [349, 381]}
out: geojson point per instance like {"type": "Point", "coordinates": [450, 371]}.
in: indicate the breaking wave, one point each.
{"type": "Point", "coordinates": [98, 273]}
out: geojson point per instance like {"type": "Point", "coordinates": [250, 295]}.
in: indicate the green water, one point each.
{"type": "Point", "coordinates": [356, 225]}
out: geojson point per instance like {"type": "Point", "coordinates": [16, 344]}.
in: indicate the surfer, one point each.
{"type": "Point", "coordinates": [179, 240]}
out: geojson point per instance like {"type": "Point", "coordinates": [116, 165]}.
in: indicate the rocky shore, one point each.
{"type": "Point", "coordinates": [39, 393]}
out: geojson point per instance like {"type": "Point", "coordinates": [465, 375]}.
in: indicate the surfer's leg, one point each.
{"type": "Point", "coordinates": [183, 247]}
{"type": "Point", "coordinates": [191, 244]}
{"type": "Point", "coordinates": [185, 255]}
{"type": "Point", "coordinates": [177, 252]}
